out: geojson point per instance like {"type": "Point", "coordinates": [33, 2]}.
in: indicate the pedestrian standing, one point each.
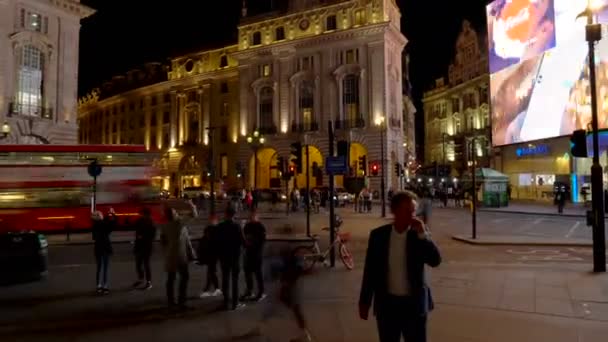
{"type": "Point", "coordinates": [230, 242]}
{"type": "Point", "coordinates": [145, 233]}
{"type": "Point", "coordinates": [208, 255]}
{"type": "Point", "coordinates": [394, 274]}
{"type": "Point", "coordinates": [101, 231]}
{"type": "Point", "coordinates": [178, 254]}
{"type": "Point", "coordinates": [255, 238]}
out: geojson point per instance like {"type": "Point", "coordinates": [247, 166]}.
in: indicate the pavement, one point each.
{"type": "Point", "coordinates": [521, 207]}
{"type": "Point", "coordinates": [527, 292]}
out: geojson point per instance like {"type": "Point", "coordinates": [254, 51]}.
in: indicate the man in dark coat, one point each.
{"type": "Point", "coordinates": [394, 277]}
{"type": "Point", "coordinates": [255, 238]}
{"type": "Point", "coordinates": [145, 233]}
{"type": "Point", "coordinates": [230, 242]}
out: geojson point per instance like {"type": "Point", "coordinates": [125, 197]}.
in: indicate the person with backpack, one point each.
{"type": "Point", "coordinates": [208, 255]}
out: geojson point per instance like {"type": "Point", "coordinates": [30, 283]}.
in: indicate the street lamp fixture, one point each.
{"type": "Point", "coordinates": [6, 129]}
{"type": "Point", "coordinates": [380, 122]}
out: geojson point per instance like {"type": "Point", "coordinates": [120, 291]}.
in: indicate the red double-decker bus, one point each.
{"type": "Point", "coordinates": [48, 188]}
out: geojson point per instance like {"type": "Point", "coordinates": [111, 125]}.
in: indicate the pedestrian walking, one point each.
{"type": "Point", "coordinates": [230, 242]}
{"type": "Point", "coordinates": [145, 233]}
{"type": "Point", "coordinates": [178, 254]}
{"type": "Point", "coordinates": [208, 255]}
{"type": "Point", "coordinates": [101, 231]}
{"type": "Point", "coordinates": [394, 274]}
{"type": "Point", "coordinates": [255, 238]}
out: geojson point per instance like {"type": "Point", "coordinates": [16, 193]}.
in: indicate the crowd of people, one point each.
{"type": "Point", "coordinates": [226, 243]}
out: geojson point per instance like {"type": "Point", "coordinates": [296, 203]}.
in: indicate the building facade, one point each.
{"type": "Point", "coordinates": [39, 70]}
{"type": "Point", "coordinates": [458, 110]}
{"type": "Point", "coordinates": [291, 72]}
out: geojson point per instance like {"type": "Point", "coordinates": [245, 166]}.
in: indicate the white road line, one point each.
{"type": "Point", "coordinates": [573, 229]}
{"type": "Point", "coordinates": [538, 220]}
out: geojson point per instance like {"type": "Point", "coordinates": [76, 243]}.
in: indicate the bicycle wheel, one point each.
{"type": "Point", "coordinates": [308, 257]}
{"type": "Point", "coordinates": [347, 258]}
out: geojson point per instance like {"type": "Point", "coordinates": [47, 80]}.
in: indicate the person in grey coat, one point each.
{"type": "Point", "coordinates": [178, 254]}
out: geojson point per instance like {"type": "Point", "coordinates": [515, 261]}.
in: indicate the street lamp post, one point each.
{"type": "Point", "coordinates": [380, 123]}
{"type": "Point", "coordinates": [255, 141]}
{"type": "Point", "coordinates": [593, 34]}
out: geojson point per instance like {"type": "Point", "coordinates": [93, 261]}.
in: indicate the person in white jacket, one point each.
{"type": "Point", "coordinates": [178, 254]}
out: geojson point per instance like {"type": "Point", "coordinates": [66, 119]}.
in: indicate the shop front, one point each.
{"type": "Point", "coordinates": [534, 168]}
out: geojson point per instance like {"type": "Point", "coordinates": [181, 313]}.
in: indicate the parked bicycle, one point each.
{"type": "Point", "coordinates": [312, 254]}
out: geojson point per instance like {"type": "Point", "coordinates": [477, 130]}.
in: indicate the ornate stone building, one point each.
{"type": "Point", "coordinates": [39, 70]}
{"type": "Point", "coordinates": [291, 71]}
{"type": "Point", "coordinates": [457, 111]}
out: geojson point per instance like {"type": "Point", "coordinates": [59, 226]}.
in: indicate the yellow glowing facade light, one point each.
{"type": "Point", "coordinates": [44, 218]}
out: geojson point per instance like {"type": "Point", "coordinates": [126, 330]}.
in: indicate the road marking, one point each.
{"type": "Point", "coordinates": [538, 220]}
{"type": "Point", "coordinates": [499, 220]}
{"type": "Point", "coordinates": [573, 229]}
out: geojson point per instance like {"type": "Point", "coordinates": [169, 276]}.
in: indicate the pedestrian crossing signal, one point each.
{"type": "Point", "coordinates": [375, 169]}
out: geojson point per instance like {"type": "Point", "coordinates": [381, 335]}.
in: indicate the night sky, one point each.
{"type": "Point", "coordinates": [125, 34]}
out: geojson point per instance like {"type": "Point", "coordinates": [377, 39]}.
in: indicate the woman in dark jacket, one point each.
{"type": "Point", "coordinates": [103, 249]}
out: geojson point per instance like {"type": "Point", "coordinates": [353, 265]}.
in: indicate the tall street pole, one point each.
{"type": "Point", "coordinates": [307, 192]}
{"type": "Point", "coordinates": [332, 219]}
{"type": "Point", "coordinates": [255, 168]}
{"type": "Point", "coordinates": [211, 171]}
{"type": "Point", "coordinates": [474, 190]}
{"type": "Point", "coordinates": [593, 35]}
{"type": "Point", "coordinates": [383, 163]}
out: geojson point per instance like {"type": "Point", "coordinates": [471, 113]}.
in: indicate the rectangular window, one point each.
{"type": "Point", "coordinates": [306, 63]}
{"type": "Point", "coordinates": [224, 88]}
{"type": "Point", "coordinates": [350, 56]}
{"type": "Point", "coordinates": [34, 22]}
{"type": "Point", "coordinates": [331, 23]}
{"type": "Point", "coordinates": [279, 33]}
{"type": "Point", "coordinates": [224, 134]}
{"type": "Point", "coordinates": [265, 70]}
{"type": "Point", "coordinates": [359, 17]}
{"type": "Point", "coordinates": [22, 18]}
{"type": "Point", "coordinates": [142, 121]}
{"type": "Point", "coordinates": [223, 61]}
{"type": "Point", "coordinates": [46, 25]}
{"type": "Point", "coordinates": [166, 118]}
{"type": "Point", "coordinates": [153, 101]}
{"type": "Point", "coordinates": [256, 39]}
{"type": "Point", "coordinates": [153, 120]}
{"type": "Point", "coordinates": [224, 165]}
{"type": "Point", "coordinates": [225, 109]}
{"type": "Point", "coordinates": [132, 106]}
{"type": "Point", "coordinates": [167, 98]}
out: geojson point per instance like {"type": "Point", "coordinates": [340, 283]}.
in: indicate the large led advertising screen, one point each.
{"type": "Point", "coordinates": [539, 77]}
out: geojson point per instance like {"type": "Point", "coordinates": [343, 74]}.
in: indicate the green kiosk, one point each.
{"type": "Point", "coordinates": [491, 187]}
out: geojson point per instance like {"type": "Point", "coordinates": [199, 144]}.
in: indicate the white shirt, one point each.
{"type": "Point", "coordinates": [398, 284]}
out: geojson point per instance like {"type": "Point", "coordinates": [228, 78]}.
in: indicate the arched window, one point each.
{"type": "Point", "coordinates": [306, 93]}
{"type": "Point", "coordinates": [266, 104]}
{"type": "Point", "coordinates": [350, 98]}
{"type": "Point", "coordinates": [30, 81]}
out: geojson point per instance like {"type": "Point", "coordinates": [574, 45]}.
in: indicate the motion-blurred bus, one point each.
{"type": "Point", "coordinates": [48, 188]}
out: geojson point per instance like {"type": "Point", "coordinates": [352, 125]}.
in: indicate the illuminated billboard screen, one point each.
{"type": "Point", "coordinates": [518, 30]}
{"type": "Point", "coordinates": [545, 92]}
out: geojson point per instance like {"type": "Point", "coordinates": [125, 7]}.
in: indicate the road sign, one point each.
{"type": "Point", "coordinates": [94, 169]}
{"type": "Point", "coordinates": [335, 165]}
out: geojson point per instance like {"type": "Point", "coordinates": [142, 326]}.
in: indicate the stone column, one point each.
{"type": "Point", "coordinates": [147, 119]}
{"type": "Point", "coordinates": [201, 126]}
{"type": "Point", "coordinates": [206, 111]}
{"type": "Point", "coordinates": [173, 115]}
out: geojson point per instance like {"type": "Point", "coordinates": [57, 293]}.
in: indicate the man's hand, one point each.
{"type": "Point", "coordinates": [418, 226]}
{"type": "Point", "coordinates": [363, 311]}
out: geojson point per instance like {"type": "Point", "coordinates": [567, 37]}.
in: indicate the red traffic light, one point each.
{"type": "Point", "coordinates": [375, 167]}
{"type": "Point", "coordinates": [292, 168]}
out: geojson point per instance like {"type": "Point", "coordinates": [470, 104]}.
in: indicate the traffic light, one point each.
{"type": "Point", "coordinates": [578, 143]}
{"type": "Point", "coordinates": [296, 150]}
{"type": "Point", "coordinates": [397, 169]}
{"type": "Point", "coordinates": [375, 169]}
{"type": "Point", "coordinates": [343, 148]}
{"type": "Point", "coordinates": [363, 164]}
{"type": "Point", "coordinates": [292, 170]}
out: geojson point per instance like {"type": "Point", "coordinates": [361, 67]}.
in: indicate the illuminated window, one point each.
{"type": "Point", "coordinates": [265, 107]}
{"type": "Point", "coordinates": [331, 23]}
{"type": "Point", "coordinates": [359, 17]}
{"type": "Point", "coordinates": [224, 165]}
{"type": "Point", "coordinates": [223, 61]}
{"type": "Point", "coordinates": [225, 109]}
{"type": "Point", "coordinates": [306, 104]}
{"type": "Point", "coordinates": [279, 33]}
{"type": "Point", "coordinates": [30, 80]}
{"type": "Point", "coordinates": [350, 97]}
{"type": "Point", "coordinates": [257, 38]}
{"type": "Point", "coordinates": [265, 70]}
{"type": "Point", "coordinates": [351, 56]}
{"type": "Point", "coordinates": [34, 22]}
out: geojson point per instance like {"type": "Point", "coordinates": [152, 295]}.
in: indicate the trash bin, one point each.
{"type": "Point", "coordinates": [23, 257]}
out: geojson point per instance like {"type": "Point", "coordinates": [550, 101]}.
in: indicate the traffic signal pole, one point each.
{"type": "Point", "coordinates": [332, 220]}
{"type": "Point", "coordinates": [594, 34]}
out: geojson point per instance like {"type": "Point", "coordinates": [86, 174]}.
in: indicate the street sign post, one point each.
{"type": "Point", "coordinates": [335, 165]}
{"type": "Point", "coordinates": [94, 169]}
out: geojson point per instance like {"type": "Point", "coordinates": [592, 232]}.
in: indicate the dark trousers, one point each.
{"type": "Point", "coordinates": [184, 276]}
{"type": "Point", "coordinates": [142, 265]}
{"type": "Point", "coordinates": [397, 319]}
{"type": "Point", "coordinates": [212, 280]}
{"type": "Point", "coordinates": [230, 281]}
{"type": "Point", "coordinates": [253, 266]}
{"type": "Point", "coordinates": [103, 261]}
